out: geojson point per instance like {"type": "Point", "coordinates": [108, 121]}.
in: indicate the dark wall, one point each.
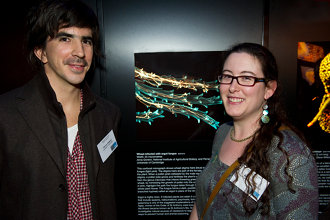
{"type": "Point", "coordinates": [15, 70]}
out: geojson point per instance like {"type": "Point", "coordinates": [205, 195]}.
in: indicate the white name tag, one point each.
{"type": "Point", "coordinates": [107, 146]}
{"type": "Point", "coordinates": [261, 183]}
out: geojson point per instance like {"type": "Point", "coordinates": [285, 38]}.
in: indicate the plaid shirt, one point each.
{"type": "Point", "coordinates": [79, 203]}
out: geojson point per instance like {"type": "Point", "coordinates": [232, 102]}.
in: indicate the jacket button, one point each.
{"type": "Point", "coordinates": [61, 187]}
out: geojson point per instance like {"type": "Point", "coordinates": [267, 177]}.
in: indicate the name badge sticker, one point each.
{"type": "Point", "coordinates": [107, 145]}
{"type": "Point", "coordinates": [261, 183]}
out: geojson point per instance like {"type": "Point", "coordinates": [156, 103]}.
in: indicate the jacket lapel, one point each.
{"type": "Point", "coordinates": [34, 110]}
{"type": "Point", "coordinates": [88, 135]}
{"type": "Point", "coordinates": [87, 139]}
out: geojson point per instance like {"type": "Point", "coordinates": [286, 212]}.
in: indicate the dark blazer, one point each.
{"type": "Point", "coordinates": [33, 152]}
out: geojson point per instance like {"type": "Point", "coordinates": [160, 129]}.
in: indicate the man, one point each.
{"type": "Point", "coordinates": [56, 137]}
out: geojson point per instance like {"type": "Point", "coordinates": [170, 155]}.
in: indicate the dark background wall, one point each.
{"type": "Point", "coordinates": [130, 27]}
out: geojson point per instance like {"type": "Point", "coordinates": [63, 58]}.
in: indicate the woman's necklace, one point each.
{"type": "Point", "coordinates": [239, 140]}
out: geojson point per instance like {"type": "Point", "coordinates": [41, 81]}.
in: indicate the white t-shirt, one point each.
{"type": "Point", "coordinates": [72, 133]}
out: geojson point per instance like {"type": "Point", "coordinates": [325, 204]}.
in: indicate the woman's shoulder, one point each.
{"type": "Point", "coordinates": [292, 149]}
{"type": "Point", "coordinates": [223, 130]}
{"type": "Point", "coordinates": [220, 135]}
{"type": "Point", "coordinates": [291, 143]}
{"type": "Point", "coordinates": [225, 127]}
{"type": "Point", "coordinates": [292, 164]}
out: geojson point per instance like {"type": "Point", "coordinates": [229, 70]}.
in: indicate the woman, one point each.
{"type": "Point", "coordinates": [281, 181]}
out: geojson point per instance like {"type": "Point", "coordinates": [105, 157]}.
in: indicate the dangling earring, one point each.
{"type": "Point", "coordinates": [264, 118]}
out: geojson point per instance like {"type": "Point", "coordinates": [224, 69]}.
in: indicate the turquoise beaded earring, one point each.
{"type": "Point", "coordinates": [265, 118]}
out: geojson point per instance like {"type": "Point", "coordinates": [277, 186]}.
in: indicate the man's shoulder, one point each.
{"type": "Point", "coordinates": [107, 111]}
{"type": "Point", "coordinates": [8, 105]}
{"type": "Point", "coordinates": [9, 96]}
{"type": "Point", "coordinates": [18, 92]}
{"type": "Point", "coordinates": [106, 105]}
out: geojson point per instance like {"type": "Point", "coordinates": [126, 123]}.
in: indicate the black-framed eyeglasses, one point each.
{"type": "Point", "coordinates": [241, 80]}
